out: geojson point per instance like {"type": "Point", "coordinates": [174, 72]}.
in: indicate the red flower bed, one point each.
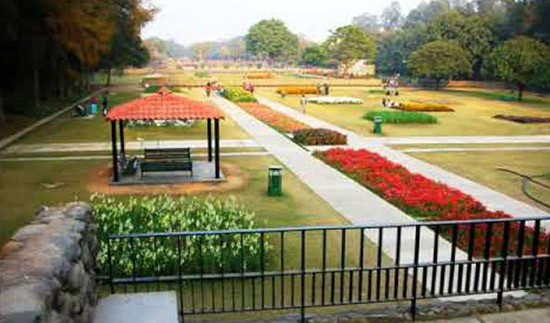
{"type": "Point", "coordinates": [273, 118]}
{"type": "Point", "coordinates": [426, 199]}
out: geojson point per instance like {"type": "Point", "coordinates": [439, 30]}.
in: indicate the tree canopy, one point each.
{"type": "Point", "coordinates": [440, 60]}
{"type": "Point", "coordinates": [350, 43]}
{"type": "Point", "coordinates": [315, 55]}
{"type": "Point", "coordinates": [273, 40]}
{"type": "Point", "coordinates": [523, 61]}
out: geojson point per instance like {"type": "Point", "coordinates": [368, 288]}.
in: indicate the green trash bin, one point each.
{"type": "Point", "coordinates": [275, 181]}
{"type": "Point", "coordinates": [377, 125]}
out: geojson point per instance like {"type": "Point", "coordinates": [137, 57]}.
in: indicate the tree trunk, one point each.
{"type": "Point", "coordinates": [2, 116]}
{"type": "Point", "coordinates": [521, 87]}
{"type": "Point", "coordinates": [35, 79]}
{"type": "Point", "coordinates": [108, 82]}
{"type": "Point", "coordinates": [437, 81]}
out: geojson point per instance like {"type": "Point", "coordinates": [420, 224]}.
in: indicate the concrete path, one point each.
{"type": "Point", "coordinates": [138, 308]}
{"type": "Point", "coordinates": [538, 315]}
{"type": "Point", "coordinates": [130, 145]}
{"type": "Point", "coordinates": [462, 140]}
{"type": "Point", "coordinates": [492, 199]}
{"type": "Point", "coordinates": [357, 204]}
{"type": "Point", "coordinates": [106, 157]}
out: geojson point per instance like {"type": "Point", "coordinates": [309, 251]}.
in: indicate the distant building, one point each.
{"type": "Point", "coordinates": [359, 68]}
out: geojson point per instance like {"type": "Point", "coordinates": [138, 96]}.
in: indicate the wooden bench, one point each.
{"type": "Point", "coordinates": [167, 160]}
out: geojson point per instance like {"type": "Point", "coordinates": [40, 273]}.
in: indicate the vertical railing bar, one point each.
{"type": "Point", "coordinates": [519, 254]}
{"type": "Point", "coordinates": [110, 256]}
{"type": "Point", "coordinates": [547, 266]}
{"type": "Point", "coordinates": [535, 252]}
{"type": "Point", "coordinates": [133, 253]}
{"type": "Point", "coordinates": [262, 266]}
{"type": "Point", "coordinates": [313, 287]}
{"type": "Point", "coordinates": [282, 268]}
{"type": "Point", "coordinates": [303, 278]}
{"type": "Point", "coordinates": [324, 266]}
{"type": "Point", "coordinates": [157, 263]}
{"type": "Point", "coordinates": [397, 263]}
{"type": "Point", "coordinates": [180, 279]}
{"type": "Point", "coordinates": [379, 262]}
{"type": "Point", "coordinates": [222, 248]}
{"type": "Point", "coordinates": [201, 273]}
{"type": "Point", "coordinates": [435, 259]}
{"type": "Point", "coordinates": [487, 256]}
{"type": "Point", "coordinates": [504, 256]}
{"type": "Point", "coordinates": [361, 264]}
{"type": "Point", "coordinates": [453, 258]}
{"type": "Point", "coordinates": [243, 303]}
{"type": "Point", "coordinates": [342, 263]}
{"type": "Point", "coordinates": [415, 270]}
{"type": "Point", "coordinates": [471, 239]}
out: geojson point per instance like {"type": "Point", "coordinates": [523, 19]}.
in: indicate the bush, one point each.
{"type": "Point", "coordinates": [167, 214]}
{"type": "Point", "coordinates": [400, 117]}
{"type": "Point", "coordinates": [202, 74]}
{"type": "Point", "coordinates": [277, 120]}
{"type": "Point", "coordinates": [239, 95]}
{"type": "Point", "coordinates": [260, 76]}
{"type": "Point", "coordinates": [424, 107]}
{"type": "Point", "coordinates": [286, 90]}
{"type": "Point", "coordinates": [319, 137]}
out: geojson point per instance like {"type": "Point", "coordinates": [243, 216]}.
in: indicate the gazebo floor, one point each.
{"type": "Point", "coordinates": [203, 171]}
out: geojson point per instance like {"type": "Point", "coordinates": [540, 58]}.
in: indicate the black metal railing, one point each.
{"type": "Point", "coordinates": [300, 268]}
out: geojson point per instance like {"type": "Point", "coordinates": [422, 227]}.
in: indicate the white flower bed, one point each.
{"type": "Point", "coordinates": [160, 123]}
{"type": "Point", "coordinates": [334, 100]}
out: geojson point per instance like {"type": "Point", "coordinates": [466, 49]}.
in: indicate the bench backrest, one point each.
{"type": "Point", "coordinates": [175, 154]}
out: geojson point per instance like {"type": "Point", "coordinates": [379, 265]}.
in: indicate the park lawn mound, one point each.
{"type": "Point", "coordinates": [522, 119]}
{"type": "Point", "coordinates": [319, 137]}
{"type": "Point", "coordinates": [401, 117]}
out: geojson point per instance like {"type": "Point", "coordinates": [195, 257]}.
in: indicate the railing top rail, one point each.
{"type": "Point", "coordinates": [321, 228]}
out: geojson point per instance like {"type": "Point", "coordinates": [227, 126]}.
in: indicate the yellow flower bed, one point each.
{"type": "Point", "coordinates": [290, 90]}
{"type": "Point", "coordinates": [423, 107]}
{"type": "Point", "coordinates": [260, 76]}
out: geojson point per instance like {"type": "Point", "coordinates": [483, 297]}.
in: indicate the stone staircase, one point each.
{"type": "Point", "coordinates": [138, 308]}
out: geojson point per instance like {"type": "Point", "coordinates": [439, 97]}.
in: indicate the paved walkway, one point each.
{"type": "Point", "coordinates": [357, 204]}
{"type": "Point", "coordinates": [130, 145]}
{"type": "Point", "coordinates": [492, 199]}
{"type": "Point", "coordinates": [538, 315]}
{"type": "Point", "coordinates": [489, 149]}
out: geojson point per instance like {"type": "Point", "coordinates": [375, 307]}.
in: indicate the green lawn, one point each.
{"type": "Point", "coordinates": [68, 130]}
{"type": "Point", "coordinates": [299, 206]}
{"type": "Point", "coordinates": [473, 116]}
{"type": "Point", "coordinates": [481, 167]}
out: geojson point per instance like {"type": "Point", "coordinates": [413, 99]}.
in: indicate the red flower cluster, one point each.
{"type": "Point", "coordinates": [426, 199]}
{"type": "Point", "coordinates": [273, 118]}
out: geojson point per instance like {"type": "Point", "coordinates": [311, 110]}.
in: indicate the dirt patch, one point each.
{"type": "Point", "coordinates": [99, 179]}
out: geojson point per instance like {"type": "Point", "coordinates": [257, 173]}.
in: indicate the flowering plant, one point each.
{"type": "Point", "coordinates": [273, 118]}
{"type": "Point", "coordinates": [426, 199]}
{"type": "Point", "coordinates": [334, 100]}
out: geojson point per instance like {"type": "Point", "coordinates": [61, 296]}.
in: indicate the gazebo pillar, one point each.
{"type": "Point", "coordinates": [114, 151]}
{"type": "Point", "coordinates": [209, 130]}
{"type": "Point", "coordinates": [121, 129]}
{"type": "Point", "coordinates": [217, 146]}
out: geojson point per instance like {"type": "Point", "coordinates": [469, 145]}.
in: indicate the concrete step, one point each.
{"type": "Point", "coordinates": [138, 308]}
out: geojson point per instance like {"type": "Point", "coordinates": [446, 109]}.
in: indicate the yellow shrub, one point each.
{"type": "Point", "coordinates": [289, 90]}
{"type": "Point", "coordinates": [259, 76]}
{"type": "Point", "coordinates": [424, 107]}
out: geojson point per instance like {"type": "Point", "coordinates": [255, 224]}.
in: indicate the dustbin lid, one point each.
{"type": "Point", "coordinates": [275, 168]}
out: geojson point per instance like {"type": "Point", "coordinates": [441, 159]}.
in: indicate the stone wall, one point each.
{"type": "Point", "coordinates": [47, 269]}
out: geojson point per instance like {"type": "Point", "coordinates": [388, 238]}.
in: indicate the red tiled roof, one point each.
{"type": "Point", "coordinates": [164, 105]}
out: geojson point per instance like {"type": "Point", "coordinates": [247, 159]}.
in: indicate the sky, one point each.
{"type": "Point", "coordinates": [188, 22]}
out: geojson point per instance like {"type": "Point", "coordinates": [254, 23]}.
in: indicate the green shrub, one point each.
{"type": "Point", "coordinates": [202, 74]}
{"type": "Point", "coordinates": [152, 89]}
{"type": "Point", "coordinates": [400, 117]}
{"type": "Point", "coordinates": [166, 214]}
{"type": "Point", "coordinates": [319, 136]}
{"type": "Point", "coordinates": [238, 95]}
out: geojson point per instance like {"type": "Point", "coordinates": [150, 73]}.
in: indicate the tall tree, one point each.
{"type": "Point", "coordinates": [350, 43]}
{"type": "Point", "coordinates": [471, 33]}
{"type": "Point", "coordinates": [440, 60]}
{"type": "Point", "coordinates": [392, 17]}
{"type": "Point", "coordinates": [523, 61]}
{"type": "Point", "coordinates": [273, 40]}
{"type": "Point", "coordinates": [315, 56]}
{"type": "Point", "coordinates": [369, 22]}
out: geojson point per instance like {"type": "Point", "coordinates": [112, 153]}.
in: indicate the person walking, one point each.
{"type": "Point", "coordinates": [94, 105]}
{"type": "Point", "coordinates": [104, 104]}
{"type": "Point", "coordinates": [208, 89]}
{"type": "Point", "coordinates": [303, 103]}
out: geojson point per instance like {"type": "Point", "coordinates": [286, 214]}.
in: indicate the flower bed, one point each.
{"type": "Point", "coordinates": [425, 199]}
{"type": "Point", "coordinates": [423, 107]}
{"type": "Point", "coordinates": [273, 118]}
{"type": "Point", "coordinates": [334, 100]}
{"type": "Point", "coordinates": [238, 95]}
{"type": "Point", "coordinates": [521, 119]}
{"type": "Point", "coordinates": [167, 214]}
{"type": "Point", "coordinates": [260, 76]}
{"type": "Point", "coordinates": [290, 90]}
{"type": "Point", "coordinates": [319, 137]}
{"type": "Point", "coordinates": [400, 117]}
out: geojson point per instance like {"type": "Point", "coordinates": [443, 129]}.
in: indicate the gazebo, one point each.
{"type": "Point", "coordinates": [165, 106]}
